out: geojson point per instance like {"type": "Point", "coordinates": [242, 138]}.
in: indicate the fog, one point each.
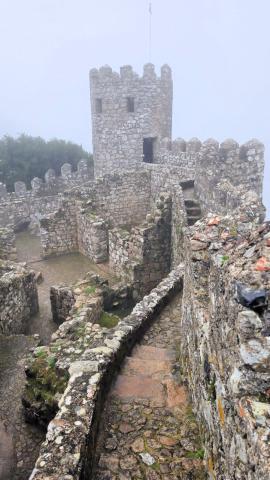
{"type": "Point", "coordinates": [218, 50]}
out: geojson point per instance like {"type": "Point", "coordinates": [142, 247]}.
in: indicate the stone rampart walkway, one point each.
{"type": "Point", "coordinates": [148, 430]}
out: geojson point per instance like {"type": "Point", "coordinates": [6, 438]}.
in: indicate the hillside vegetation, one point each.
{"type": "Point", "coordinates": [26, 157]}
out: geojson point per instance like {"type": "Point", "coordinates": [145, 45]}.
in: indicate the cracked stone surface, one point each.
{"type": "Point", "coordinates": [148, 430]}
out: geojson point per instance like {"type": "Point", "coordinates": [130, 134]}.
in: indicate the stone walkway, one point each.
{"type": "Point", "coordinates": [148, 430]}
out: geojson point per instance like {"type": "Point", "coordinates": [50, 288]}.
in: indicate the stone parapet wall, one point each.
{"type": "Point", "coordinates": [69, 449]}
{"type": "Point", "coordinates": [180, 153]}
{"type": "Point", "coordinates": [25, 206]}
{"type": "Point", "coordinates": [18, 297]}
{"type": "Point", "coordinates": [7, 244]}
{"type": "Point", "coordinates": [240, 166]}
{"type": "Point", "coordinates": [52, 184]}
{"type": "Point", "coordinates": [225, 348]}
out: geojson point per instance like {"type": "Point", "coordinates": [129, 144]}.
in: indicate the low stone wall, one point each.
{"type": "Point", "coordinates": [92, 235]}
{"type": "Point", "coordinates": [7, 244]}
{"type": "Point", "coordinates": [91, 355]}
{"type": "Point", "coordinates": [143, 255]}
{"type": "Point", "coordinates": [118, 296]}
{"type": "Point", "coordinates": [18, 297]}
{"type": "Point", "coordinates": [62, 300]}
{"type": "Point", "coordinates": [225, 347]}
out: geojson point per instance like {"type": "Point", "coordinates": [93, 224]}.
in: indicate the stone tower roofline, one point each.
{"type": "Point", "coordinates": [127, 73]}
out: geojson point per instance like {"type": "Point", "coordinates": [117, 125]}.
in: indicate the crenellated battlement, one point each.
{"type": "Point", "coordinates": [240, 166]}
{"type": "Point", "coordinates": [105, 74]}
{"type": "Point", "coordinates": [25, 207]}
{"type": "Point", "coordinates": [51, 184]}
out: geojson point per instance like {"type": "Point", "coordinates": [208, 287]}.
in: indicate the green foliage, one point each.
{"type": "Point", "coordinates": [51, 362]}
{"type": "Point", "coordinates": [26, 157]}
{"type": "Point", "coordinates": [108, 320]}
{"type": "Point", "coordinates": [198, 454]}
{"type": "Point", "coordinates": [89, 290]}
{"type": "Point", "coordinates": [45, 380]}
{"type": "Point", "coordinates": [224, 260]}
{"type": "Point", "coordinates": [41, 352]}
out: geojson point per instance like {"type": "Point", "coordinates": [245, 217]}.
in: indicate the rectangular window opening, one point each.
{"type": "Point", "coordinates": [148, 150]}
{"type": "Point", "coordinates": [98, 105]}
{"type": "Point", "coordinates": [130, 104]}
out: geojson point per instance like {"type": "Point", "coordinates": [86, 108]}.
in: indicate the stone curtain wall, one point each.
{"type": "Point", "coordinates": [69, 449]}
{"type": "Point", "coordinates": [28, 210]}
{"type": "Point", "coordinates": [58, 231]}
{"type": "Point", "coordinates": [119, 198]}
{"type": "Point", "coordinates": [225, 348]}
{"type": "Point", "coordinates": [7, 244]}
{"type": "Point", "coordinates": [29, 205]}
{"type": "Point", "coordinates": [18, 297]}
{"type": "Point", "coordinates": [118, 134]}
{"type": "Point", "coordinates": [142, 256]}
{"type": "Point", "coordinates": [221, 168]}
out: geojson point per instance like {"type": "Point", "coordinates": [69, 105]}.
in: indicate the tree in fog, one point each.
{"type": "Point", "coordinates": [26, 157]}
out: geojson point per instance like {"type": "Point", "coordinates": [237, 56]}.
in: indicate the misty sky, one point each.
{"type": "Point", "coordinates": [219, 51]}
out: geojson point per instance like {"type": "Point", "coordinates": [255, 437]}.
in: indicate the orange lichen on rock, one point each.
{"type": "Point", "coordinates": [220, 411]}
{"type": "Point", "coordinates": [210, 468]}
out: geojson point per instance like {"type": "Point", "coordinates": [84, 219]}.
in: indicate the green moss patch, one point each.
{"type": "Point", "coordinates": [44, 380]}
{"type": "Point", "coordinates": [198, 454]}
{"type": "Point", "coordinates": [89, 290]}
{"type": "Point", "coordinates": [108, 320]}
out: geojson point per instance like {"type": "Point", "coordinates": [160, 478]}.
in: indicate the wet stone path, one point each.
{"type": "Point", "coordinates": [148, 430]}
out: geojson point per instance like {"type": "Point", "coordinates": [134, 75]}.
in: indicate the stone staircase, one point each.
{"type": "Point", "coordinates": [192, 203]}
{"type": "Point", "coordinates": [148, 430]}
{"type": "Point", "coordinates": [145, 375]}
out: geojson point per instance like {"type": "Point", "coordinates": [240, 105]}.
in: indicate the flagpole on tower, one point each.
{"type": "Point", "coordinates": [150, 31]}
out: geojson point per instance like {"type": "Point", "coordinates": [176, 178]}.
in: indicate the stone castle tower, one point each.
{"type": "Point", "coordinates": [130, 116]}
